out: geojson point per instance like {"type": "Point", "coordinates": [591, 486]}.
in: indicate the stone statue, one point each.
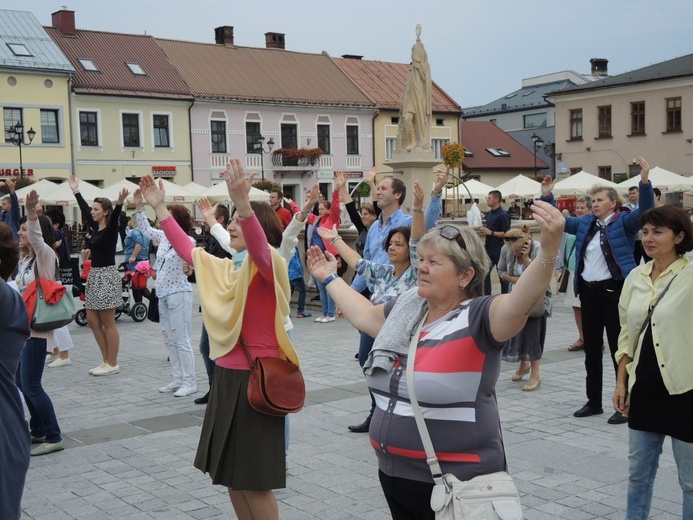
{"type": "Point", "coordinates": [414, 130]}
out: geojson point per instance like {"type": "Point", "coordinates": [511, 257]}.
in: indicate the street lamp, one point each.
{"type": "Point", "coordinates": [17, 138]}
{"type": "Point", "coordinates": [260, 149]}
{"type": "Point", "coordinates": [538, 143]}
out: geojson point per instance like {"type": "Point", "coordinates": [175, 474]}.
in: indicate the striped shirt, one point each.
{"type": "Point", "coordinates": [457, 366]}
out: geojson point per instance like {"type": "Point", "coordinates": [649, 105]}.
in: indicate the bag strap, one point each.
{"type": "Point", "coordinates": [649, 314]}
{"type": "Point", "coordinates": [431, 458]}
{"type": "Point", "coordinates": [245, 349]}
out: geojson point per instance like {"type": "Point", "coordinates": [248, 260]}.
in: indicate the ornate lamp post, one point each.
{"type": "Point", "coordinates": [260, 149]}
{"type": "Point", "coordinates": [17, 138]}
{"type": "Point", "coordinates": [538, 143]}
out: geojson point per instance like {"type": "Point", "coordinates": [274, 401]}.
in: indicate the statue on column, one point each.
{"type": "Point", "coordinates": [414, 130]}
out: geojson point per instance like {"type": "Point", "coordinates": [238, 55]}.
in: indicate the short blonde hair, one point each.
{"type": "Point", "coordinates": [471, 255]}
{"type": "Point", "coordinates": [522, 232]}
{"type": "Point", "coordinates": [610, 192]}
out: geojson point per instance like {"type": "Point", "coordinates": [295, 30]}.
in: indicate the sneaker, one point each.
{"type": "Point", "coordinates": [51, 357]}
{"type": "Point", "coordinates": [303, 314]}
{"type": "Point", "coordinates": [185, 391]}
{"type": "Point", "coordinates": [328, 319]}
{"type": "Point", "coordinates": [319, 319]}
{"type": "Point", "coordinates": [99, 367]}
{"type": "Point", "coordinates": [171, 387]}
{"type": "Point", "coordinates": [106, 370]}
{"type": "Point", "coordinates": [60, 362]}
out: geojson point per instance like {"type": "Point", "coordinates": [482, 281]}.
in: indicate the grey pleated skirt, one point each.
{"type": "Point", "coordinates": [240, 447]}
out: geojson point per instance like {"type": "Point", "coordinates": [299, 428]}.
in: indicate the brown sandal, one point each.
{"type": "Point", "coordinates": [578, 345]}
{"type": "Point", "coordinates": [520, 373]}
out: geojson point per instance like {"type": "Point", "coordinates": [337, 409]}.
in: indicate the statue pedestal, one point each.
{"type": "Point", "coordinates": [410, 166]}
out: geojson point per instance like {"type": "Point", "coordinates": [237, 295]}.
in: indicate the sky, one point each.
{"type": "Point", "coordinates": [478, 50]}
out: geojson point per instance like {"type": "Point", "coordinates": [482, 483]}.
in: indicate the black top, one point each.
{"type": "Point", "coordinates": [103, 242]}
{"type": "Point", "coordinates": [652, 408]}
{"type": "Point", "coordinates": [496, 220]}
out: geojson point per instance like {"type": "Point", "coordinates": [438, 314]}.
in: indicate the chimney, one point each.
{"type": "Point", "coordinates": [352, 57]}
{"type": "Point", "coordinates": [64, 21]}
{"type": "Point", "coordinates": [274, 40]}
{"type": "Point", "coordinates": [599, 67]}
{"type": "Point", "coordinates": [223, 35]}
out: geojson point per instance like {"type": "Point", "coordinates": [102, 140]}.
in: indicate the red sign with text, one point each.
{"type": "Point", "coordinates": [14, 172]}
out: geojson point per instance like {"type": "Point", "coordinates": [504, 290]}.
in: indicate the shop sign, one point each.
{"type": "Point", "coordinates": [14, 172]}
{"type": "Point", "coordinates": [164, 171]}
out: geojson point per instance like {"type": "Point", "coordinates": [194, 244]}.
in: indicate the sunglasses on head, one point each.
{"type": "Point", "coordinates": [511, 239]}
{"type": "Point", "coordinates": [453, 233]}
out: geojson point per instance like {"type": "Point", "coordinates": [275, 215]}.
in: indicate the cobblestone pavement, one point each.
{"type": "Point", "coordinates": [130, 448]}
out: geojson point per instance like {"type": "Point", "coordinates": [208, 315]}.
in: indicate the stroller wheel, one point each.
{"type": "Point", "coordinates": [118, 313]}
{"type": "Point", "coordinates": [81, 317]}
{"type": "Point", "coordinates": [139, 312]}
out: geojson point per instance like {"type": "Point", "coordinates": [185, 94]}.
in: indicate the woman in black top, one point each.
{"type": "Point", "coordinates": [103, 287]}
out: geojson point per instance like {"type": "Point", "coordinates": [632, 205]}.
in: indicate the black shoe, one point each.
{"type": "Point", "coordinates": [356, 356]}
{"type": "Point", "coordinates": [617, 418]}
{"type": "Point", "coordinates": [315, 298]}
{"type": "Point", "coordinates": [588, 410]}
{"type": "Point", "coordinates": [361, 428]}
{"type": "Point", "coordinates": [203, 399]}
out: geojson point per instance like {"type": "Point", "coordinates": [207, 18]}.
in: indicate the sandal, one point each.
{"type": "Point", "coordinates": [532, 386]}
{"type": "Point", "coordinates": [578, 345]}
{"type": "Point", "coordinates": [520, 373]}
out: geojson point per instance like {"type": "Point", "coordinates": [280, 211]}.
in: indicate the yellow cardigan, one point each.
{"type": "Point", "coordinates": [223, 294]}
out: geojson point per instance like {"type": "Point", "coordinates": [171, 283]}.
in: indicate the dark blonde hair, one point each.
{"type": "Point", "coordinates": [106, 205]}
{"type": "Point", "coordinates": [522, 232]}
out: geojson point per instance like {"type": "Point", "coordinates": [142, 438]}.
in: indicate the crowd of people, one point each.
{"type": "Point", "coordinates": [410, 274]}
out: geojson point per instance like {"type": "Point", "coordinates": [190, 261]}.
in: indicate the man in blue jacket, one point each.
{"type": "Point", "coordinates": [604, 245]}
{"type": "Point", "coordinates": [10, 214]}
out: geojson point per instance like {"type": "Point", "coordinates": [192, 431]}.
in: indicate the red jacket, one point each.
{"type": "Point", "coordinates": [52, 292]}
{"type": "Point", "coordinates": [329, 220]}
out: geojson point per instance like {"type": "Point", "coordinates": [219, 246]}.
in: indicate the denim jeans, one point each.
{"type": "Point", "coordinates": [326, 301]}
{"type": "Point", "coordinates": [43, 422]}
{"type": "Point", "coordinates": [643, 461]}
{"type": "Point", "coordinates": [175, 312]}
{"type": "Point", "coordinates": [365, 346]}
{"type": "Point", "coordinates": [204, 352]}
{"type": "Point", "coordinates": [299, 285]}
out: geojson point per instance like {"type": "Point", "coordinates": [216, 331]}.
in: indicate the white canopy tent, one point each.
{"type": "Point", "coordinates": [195, 188]}
{"type": "Point", "coordinates": [176, 193]}
{"type": "Point", "coordinates": [219, 193]}
{"type": "Point", "coordinates": [579, 184]}
{"type": "Point", "coordinates": [63, 195]}
{"type": "Point", "coordinates": [520, 187]}
{"type": "Point", "coordinates": [479, 190]}
{"type": "Point", "coordinates": [42, 187]}
{"type": "Point", "coordinates": [666, 181]}
{"type": "Point", "coordinates": [114, 189]}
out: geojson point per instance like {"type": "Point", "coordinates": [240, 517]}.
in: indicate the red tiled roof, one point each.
{"type": "Point", "coordinates": [262, 75]}
{"type": "Point", "coordinates": [477, 136]}
{"type": "Point", "coordinates": [384, 83]}
{"type": "Point", "coordinates": [110, 52]}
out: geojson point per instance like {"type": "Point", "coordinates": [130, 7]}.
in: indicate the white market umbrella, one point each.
{"type": "Point", "coordinates": [114, 189]}
{"type": "Point", "coordinates": [520, 187]}
{"type": "Point", "coordinates": [42, 187]}
{"type": "Point", "coordinates": [195, 188]}
{"type": "Point", "coordinates": [580, 183]}
{"type": "Point", "coordinates": [478, 190]}
{"type": "Point", "coordinates": [219, 193]}
{"type": "Point", "coordinates": [665, 180]}
{"type": "Point", "coordinates": [176, 193]}
{"type": "Point", "coordinates": [63, 196]}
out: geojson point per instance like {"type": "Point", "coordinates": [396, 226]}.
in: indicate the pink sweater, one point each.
{"type": "Point", "coordinates": [258, 318]}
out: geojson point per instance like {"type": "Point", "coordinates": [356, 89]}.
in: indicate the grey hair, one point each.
{"type": "Point", "coordinates": [472, 256]}
{"type": "Point", "coordinates": [586, 200]}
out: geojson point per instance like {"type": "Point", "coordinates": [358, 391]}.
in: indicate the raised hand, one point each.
{"type": "Point", "coordinates": [551, 222]}
{"type": "Point", "coordinates": [314, 195]}
{"type": "Point", "coordinates": [10, 185]}
{"type": "Point", "coordinates": [339, 180]}
{"type": "Point", "coordinates": [238, 186]}
{"type": "Point", "coordinates": [441, 180]}
{"type": "Point", "coordinates": [418, 195]}
{"type": "Point", "coordinates": [207, 209]}
{"type": "Point", "coordinates": [328, 233]}
{"type": "Point", "coordinates": [370, 176]}
{"type": "Point", "coordinates": [644, 170]}
{"type": "Point", "coordinates": [123, 195]}
{"type": "Point", "coordinates": [73, 181]}
{"type": "Point", "coordinates": [153, 194]}
{"type": "Point", "coordinates": [547, 186]}
{"type": "Point", "coordinates": [31, 200]}
{"type": "Point", "coordinates": [137, 199]}
{"type": "Point", "coordinates": [319, 265]}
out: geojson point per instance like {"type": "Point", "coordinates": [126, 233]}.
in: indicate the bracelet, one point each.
{"type": "Point", "coordinates": [304, 213]}
{"type": "Point", "coordinates": [335, 239]}
{"type": "Point", "coordinates": [417, 210]}
{"type": "Point", "coordinates": [31, 209]}
{"type": "Point", "coordinates": [546, 261]}
{"type": "Point", "coordinates": [252, 213]}
{"type": "Point", "coordinates": [329, 279]}
{"type": "Point", "coordinates": [436, 195]}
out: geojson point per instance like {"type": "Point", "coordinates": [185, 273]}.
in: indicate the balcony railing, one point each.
{"type": "Point", "coordinates": [353, 161]}
{"type": "Point", "coordinates": [326, 161]}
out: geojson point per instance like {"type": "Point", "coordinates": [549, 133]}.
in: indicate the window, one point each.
{"type": "Point", "coordinates": [604, 172]}
{"type": "Point", "coordinates": [135, 68]}
{"type": "Point", "coordinates": [218, 129]}
{"type": "Point", "coordinates": [352, 140]}
{"type": "Point", "coordinates": [674, 114]}
{"type": "Point", "coordinates": [440, 122]}
{"type": "Point", "coordinates": [324, 138]}
{"type": "Point", "coordinates": [573, 171]}
{"type": "Point", "coordinates": [161, 134]}
{"type": "Point", "coordinates": [289, 135]}
{"type": "Point", "coordinates": [394, 120]}
{"type": "Point", "coordinates": [252, 133]}
{"type": "Point", "coordinates": [88, 131]}
{"type": "Point", "coordinates": [19, 49]}
{"type": "Point", "coordinates": [498, 152]}
{"type": "Point", "coordinates": [11, 116]}
{"type": "Point", "coordinates": [634, 170]}
{"type": "Point", "coordinates": [535, 120]}
{"type": "Point", "coordinates": [468, 153]}
{"type": "Point", "coordinates": [88, 64]}
{"type": "Point", "coordinates": [437, 145]}
{"type": "Point", "coordinates": [604, 115]}
{"type": "Point", "coordinates": [576, 124]}
{"type": "Point", "coordinates": [390, 145]}
{"type": "Point", "coordinates": [49, 126]}
{"type": "Point", "coordinates": [637, 118]}
{"type": "Point", "coordinates": [131, 130]}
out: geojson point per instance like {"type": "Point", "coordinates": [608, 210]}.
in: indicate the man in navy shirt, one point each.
{"type": "Point", "coordinates": [10, 214]}
{"type": "Point", "coordinates": [497, 223]}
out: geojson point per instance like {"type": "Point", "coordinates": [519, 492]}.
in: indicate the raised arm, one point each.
{"type": "Point", "coordinates": [114, 219]}
{"type": "Point", "coordinates": [418, 226]}
{"type": "Point", "coordinates": [15, 214]}
{"type": "Point", "coordinates": [142, 222]}
{"type": "Point", "coordinates": [335, 211]}
{"type": "Point", "coordinates": [435, 203]}
{"type": "Point", "coordinates": [220, 234]}
{"type": "Point", "coordinates": [83, 205]}
{"type": "Point", "coordinates": [509, 312]}
{"type": "Point", "coordinates": [348, 255]}
{"type": "Point", "coordinates": [45, 254]}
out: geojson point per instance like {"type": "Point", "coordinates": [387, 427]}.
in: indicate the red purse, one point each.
{"type": "Point", "coordinates": [276, 386]}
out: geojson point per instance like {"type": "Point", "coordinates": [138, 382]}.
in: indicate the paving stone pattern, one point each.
{"type": "Point", "coordinates": [130, 449]}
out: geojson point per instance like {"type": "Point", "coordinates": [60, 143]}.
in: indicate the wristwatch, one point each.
{"type": "Point", "coordinates": [329, 279]}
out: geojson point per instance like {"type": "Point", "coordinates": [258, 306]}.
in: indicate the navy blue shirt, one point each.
{"type": "Point", "coordinates": [496, 220]}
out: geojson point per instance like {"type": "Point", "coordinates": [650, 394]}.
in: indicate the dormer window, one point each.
{"type": "Point", "coordinates": [498, 152]}
{"type": "Point", "coordinates": [88, 65]}
{"type": "Point", "coordinates": [135, 68]}
{"type": "Point", "coordinates": [19, 49]}
{"type": "Point", "coordinates": [468, 153]}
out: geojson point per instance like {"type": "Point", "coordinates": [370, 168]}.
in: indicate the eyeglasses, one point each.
{"type": "Point", "coordinates": [453, 233]}
{"type": "Point", "coordinates": [511, 239]}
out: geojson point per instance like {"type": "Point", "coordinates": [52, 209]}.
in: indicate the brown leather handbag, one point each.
{"type": "Point", "coordinates": [276, 386]}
